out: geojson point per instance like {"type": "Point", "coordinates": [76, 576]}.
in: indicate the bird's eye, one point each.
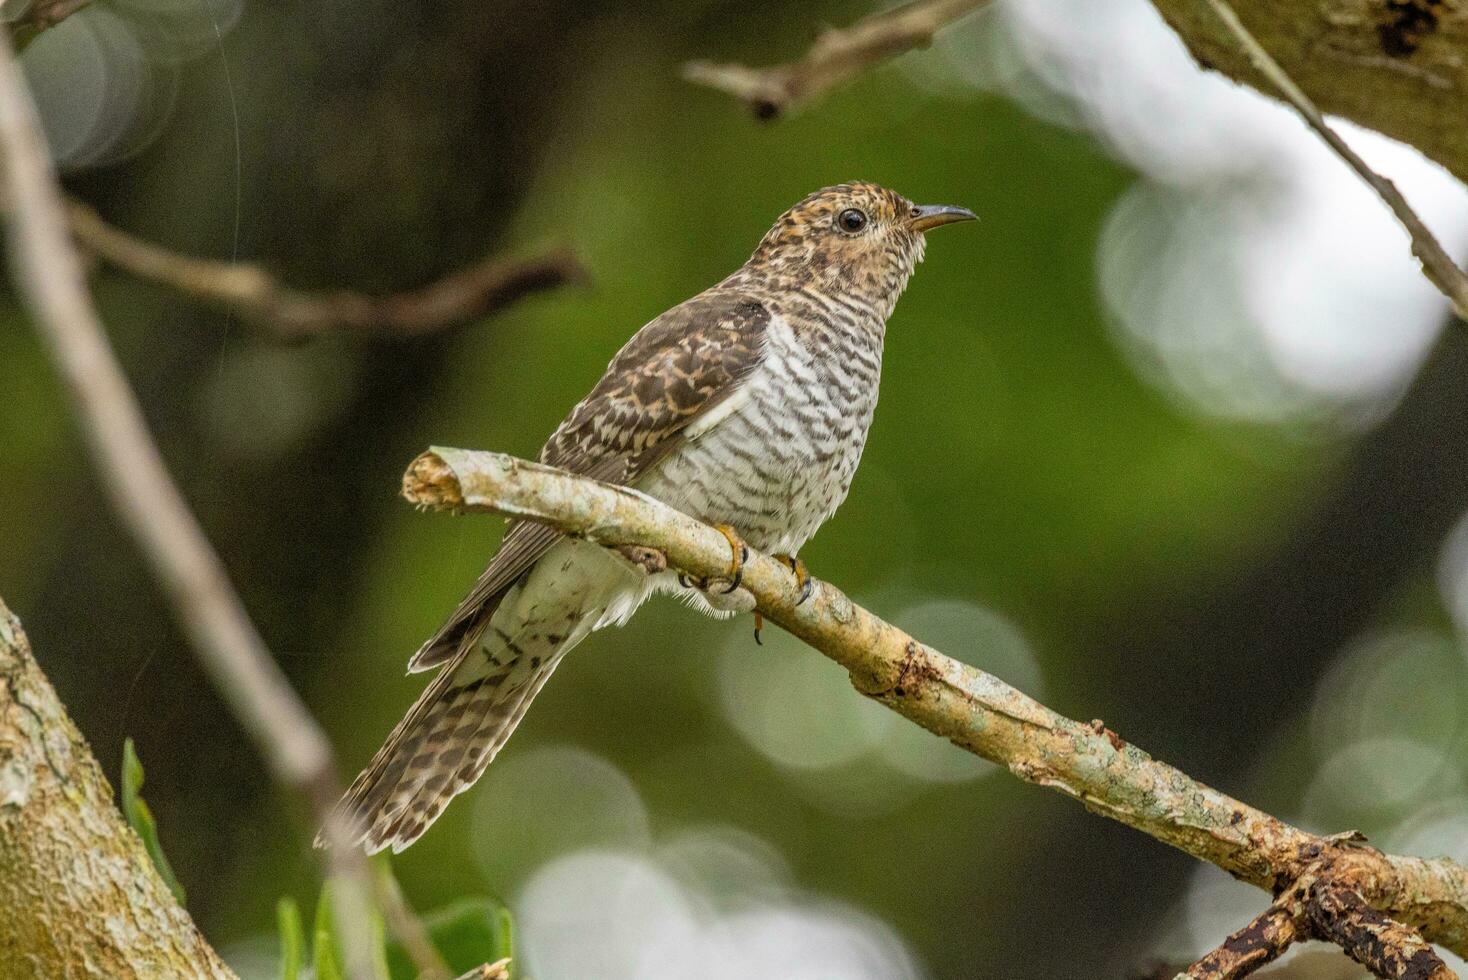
{"type": "Point", "coordinates": [851, 220]}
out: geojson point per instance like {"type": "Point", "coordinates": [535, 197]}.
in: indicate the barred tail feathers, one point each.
{"type": "Point", "coordinates": [468, 712]}
{"type": "Point", "coordinates": [443, 744]}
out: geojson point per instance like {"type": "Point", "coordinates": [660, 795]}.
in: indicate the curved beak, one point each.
{"type": "Point", "coordinates": [926, 216]}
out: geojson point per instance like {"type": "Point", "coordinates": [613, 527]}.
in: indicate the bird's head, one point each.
{"type": "Point", "coordinates": [858, 240]}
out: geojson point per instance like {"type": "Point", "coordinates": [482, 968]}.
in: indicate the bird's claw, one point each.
{"type": "Point", "coordinates": [739, 554]}
{"type": "Point", "coordinates": [803, 581]}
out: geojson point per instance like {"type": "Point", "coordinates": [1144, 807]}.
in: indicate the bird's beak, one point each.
{"type": "Point", "coordinates": [926, 216]}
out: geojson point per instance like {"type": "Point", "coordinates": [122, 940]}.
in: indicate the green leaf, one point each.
{"type": "Point", "coordinates": [323, 940]}
{"type": "Point", "coordinates": [468, 933]}
{"type": "Point", "coordinates": [292, 941]}
{"type": "Point", "coordinates": [141, 818]}
{"type": "Point", "coordinates": [506, 949]}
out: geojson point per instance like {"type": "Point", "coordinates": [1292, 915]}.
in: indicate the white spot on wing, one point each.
{"type": "Point", "coordinates": [741, 395]}
{"type": "Point", "coordinates": [719, 412]}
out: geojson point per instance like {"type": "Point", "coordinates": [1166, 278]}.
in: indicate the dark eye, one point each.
{"type": "Point", "coordinates": [851, 220]}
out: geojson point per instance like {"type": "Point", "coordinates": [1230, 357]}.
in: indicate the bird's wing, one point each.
{"type": "Point", "coordinates": [674, 370]}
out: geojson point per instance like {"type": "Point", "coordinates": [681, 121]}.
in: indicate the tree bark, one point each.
{"type": "Point", "coordinates": [1399, 67]}
{"type": "Point", "coordinates": [80, 896]}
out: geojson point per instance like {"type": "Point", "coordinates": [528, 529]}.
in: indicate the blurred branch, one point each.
{"type": "Point", "coordinates": [837, 56]}
{"type": "Point", "coordinates": [81, 896]}
{"type": "Point", "coordinates": [972, 709]}
{"type": "Point", "coordinates": [49, 275]}
{"type": "Point", "coordinates": [1437, 265]}
{"type": "Point", "coordinates": [479, 289]}
{"type": "Point", "coordinates": [40, 15]}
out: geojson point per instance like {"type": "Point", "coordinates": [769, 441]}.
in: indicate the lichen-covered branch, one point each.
{"type": "Point", "coordinates": [1320, 904]}
{"type": "Point", "coordinates": [479, 289]}
{"type": "Point", "coordinates": [836, 57]}
{"type": "Point", "coordinates": [972, 709]}
{"type": "Point", "coordinates": [81, 897]}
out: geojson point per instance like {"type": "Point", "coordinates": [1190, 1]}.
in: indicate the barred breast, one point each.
{"type": "Point", "coordinates": [776, 459]}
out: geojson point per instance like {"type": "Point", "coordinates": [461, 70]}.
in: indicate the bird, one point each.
{"type": "Point", "coordinates": [747, 407]}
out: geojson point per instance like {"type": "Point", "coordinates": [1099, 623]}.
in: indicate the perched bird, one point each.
{"type": "Point", "coordinates": [746, 406]}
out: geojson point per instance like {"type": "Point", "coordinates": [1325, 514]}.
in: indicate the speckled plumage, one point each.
{"type": "Point", "coordinates": [748, 405]}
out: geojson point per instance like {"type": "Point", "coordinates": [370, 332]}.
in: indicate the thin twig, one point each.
{"type": "Point", "coordinates": [836, 57]}
{"type": "Point", "coordinates": [498, 970]}
{"type": "Point", "coordinates": [1383, 945]}
{"type": "Point", "coordinates": [479, 289]}
{"type": "Point", "coordinates": [405, 926]}
{"type": "Point", "coordinates": [1437, 265]}
{"type": "Point", "coordinates": [974, 710]}
{"type": "Point", "coordinates": [1260, 942]}
{"type": "Point", "coordinates": [49, 275]}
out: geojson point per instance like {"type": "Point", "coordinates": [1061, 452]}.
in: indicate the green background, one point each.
{"type": "Point", "coordinates": [1187, 579]}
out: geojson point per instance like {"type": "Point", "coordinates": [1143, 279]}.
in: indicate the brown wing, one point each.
{"type": "Point", "coordinates": [672, 370]}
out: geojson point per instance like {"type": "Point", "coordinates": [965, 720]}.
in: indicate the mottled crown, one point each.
{"type": "Point", "coordinates": [854, 240]}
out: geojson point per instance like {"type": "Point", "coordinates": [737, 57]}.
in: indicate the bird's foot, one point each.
{"type": "Point", "coordinates": [650, 560]}
{"type": "Point", "coordinates": [803, 581]}
{"type": "Point", "coordinates": [739, 554]}
{"type": "Point", "coordinates": [723, 595]}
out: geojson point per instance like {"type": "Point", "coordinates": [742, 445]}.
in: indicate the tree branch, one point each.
{"type": "Point", "coordinates": [970, 708]}
{"type": "Point", "coordinates": [498, 970]}
{"type": "Point", "coordinates": [1260, 942]}
{"type": "Point", "coordinates": [40, 15]}
{"type": "Point", "coordinates": [836, 57]}
{"type": "Point", "coordinates": [1437, 265]}
{"type": "Point", "coordinates": [1381, 944]}
{"type": "Point", "coordinates": [479, 289]}
{"type": "Point", "coordinates": [50, 278]}
{"type": "Point", "coordinates": [80, 894]}
{"type": "Point", "coordinates": [1397, 68]}
{"type": "Point", "coordinates": [1320, 905]}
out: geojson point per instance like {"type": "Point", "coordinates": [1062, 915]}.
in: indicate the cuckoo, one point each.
{"type": "Point", "coordinates": [746, 407]}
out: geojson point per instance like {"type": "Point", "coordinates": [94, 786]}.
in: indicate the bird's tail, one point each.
{"type": "Point", "coordinates": [448, 738]}
{"type": "Point", "coordinates": [468, 712]}
{"type": "Point", "coordinates": [471, 707]}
